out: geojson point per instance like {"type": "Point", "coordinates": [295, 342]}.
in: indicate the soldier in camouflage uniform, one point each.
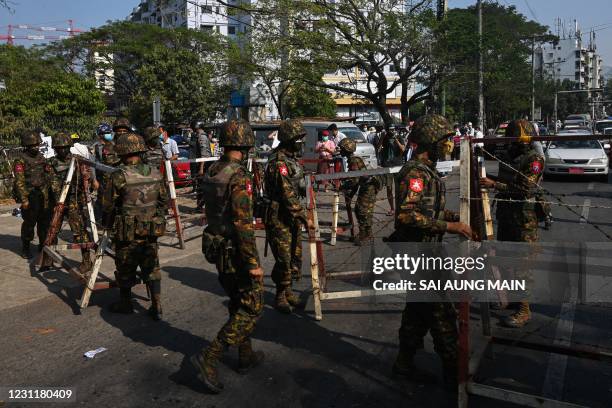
{"type": "Point", "coordinates": [229, 243]}
{"type": "Point", "coordinates": [136, 209]}
{"type": "Point", "coordinates": [104, 152]}
{"type": "Point", "coordinates": [518, 179]}
{"type": "Point", "coordinates": [75, 200]}
{"type": "Point", "coordinates": [368, 189]}
{"type": "Point", "coordinates": [284, 185]}
{"type": "Point", "coordinates": [152, 139]}
{"type": "Point", "coordinates": [32, 188]}
{"type": "Point", "coordinates": [421, 217]}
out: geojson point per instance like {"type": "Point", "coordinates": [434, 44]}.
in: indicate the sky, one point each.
{"type": "Point", "coordinates": [93, 13]}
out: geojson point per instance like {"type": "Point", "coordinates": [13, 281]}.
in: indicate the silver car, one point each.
{"type": "Point", "coordinates": [576, 157]}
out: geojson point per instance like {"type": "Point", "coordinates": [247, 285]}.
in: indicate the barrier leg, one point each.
{"type": "Point", "coordinates": [334, 228]}
{"type": "Point", "coordinates": [312, 244]}
{"type": "Point", "coordinates": [174, 204]}
{"type": "Point", "coordinates": [94, 271]}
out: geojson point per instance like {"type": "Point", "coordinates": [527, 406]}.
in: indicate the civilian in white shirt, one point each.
{"type": "Point", "coordinates": [169, 147]}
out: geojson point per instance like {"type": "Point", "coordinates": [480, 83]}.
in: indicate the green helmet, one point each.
{"type": "Point", "coordinates": [521, 128]}
{"type": "Point", "coordinates": [347, 145]}
{"type": "Point", "coordinates": [30, 138]}
{"type": "Point", "coordinates": [291, 129]}
{"type": "Point", "coordinates": [237, 133]}
{"type": "Point", "coordinates": [121, 123]}
{"type": "Point", "coordinates": [130, 143]}
{"type": "Point", "coordinates": [151, 135]}
{"type": "Point", "coordinates": [61, 139]}
{"type": "Point", "coordinates": [430, 129]}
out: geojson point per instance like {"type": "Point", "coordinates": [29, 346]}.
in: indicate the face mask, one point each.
{"type": "Point", "coordinates": [325, 138]}
{"type": "Point", "coordinates": [161, 138]}
{"type": "Point", "coordinates": [108, 137]}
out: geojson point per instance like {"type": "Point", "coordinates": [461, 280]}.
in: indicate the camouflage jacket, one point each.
{"type": "Point", "coordinates": [31, 173]}
{"type": "Point", "coordinates": [60, 171]}
{"type": "Point", "coordinates": [363, 183]}
{"type": "Point", "coordinates": [104, 153]}
{"type": "Point", "coordinates": [283, 181]}
{"type": "Point", "coordinates": [228, 196]}
{"type": "Point", "coordinates": [420, 202]}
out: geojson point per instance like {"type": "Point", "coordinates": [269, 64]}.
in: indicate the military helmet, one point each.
{"type": "Point", "coordinates": [61, 139]}
{"type": "Point", "coordinates": [430, 129]}
{"type": "Point", "coordinates": [348, 145]}
{"type": "Point", "coordinates": [151, 133]}
{"type": "Point", "coordinates": [521, 128]}
{"type": "Point", "coordinates": [291, 129]}
{"type": "Point", "coordinates": [130, 143]}
{"type": "Point", "coordinates": [121, 123]}
{"type": "Point", "coordinates": [30, 138]}
{"type": "Point", "coordinates": [237, 133]}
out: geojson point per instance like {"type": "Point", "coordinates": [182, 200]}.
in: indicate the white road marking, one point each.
{"type": "Point", "coordinates": [585, 211]}
{"type": "Point", "coordinates": [591, 186]}
{"type": "Point", "coordinates": [554, 380]}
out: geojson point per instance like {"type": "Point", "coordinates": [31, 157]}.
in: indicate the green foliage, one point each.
{"type": "Point", "coordinates": [40, 93]}
{"type": "Point", "coordinates": [181, 66]}
{"type": "Point", "coordinates": [304, 100]}
{"type": "Point", "coordinates": [507, 48]}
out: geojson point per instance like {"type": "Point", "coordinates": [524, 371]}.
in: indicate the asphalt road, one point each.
{"type": "Point", "coordinates": [342, 361]}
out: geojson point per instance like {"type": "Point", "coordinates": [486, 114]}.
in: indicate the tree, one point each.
{"type": "Point", "coordinates": [304, 100]}
{"type": "Point", "coordinates": [507, 37]}
{"type": "Point", "coordinates": [181, 66]}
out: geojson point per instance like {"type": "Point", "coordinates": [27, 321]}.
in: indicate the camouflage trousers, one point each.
{"type": "Point", "coordinates": [245, 307]}
{"type": "Point", "coordinates": [364, 209]}
{"type": "Point", "coordinates": [440, 319]}
{"type": "Point", "coordinates": [37, 215]}
{"type": "Point", "coordinates": [129, 255]}
{"type": "Point", "coordinates": [286, 245]}
{"type": "Point", "coordinates": [76, 218]}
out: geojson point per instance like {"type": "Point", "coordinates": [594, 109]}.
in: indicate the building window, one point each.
{"type": "Point", "coordinates": [392, 68]}
{"type": "Point", "coordinates": [231, 29]}
{"type": "Point", "coordinates": [205, 27]}
{"type": "Point", "coordinates": [206, 9]}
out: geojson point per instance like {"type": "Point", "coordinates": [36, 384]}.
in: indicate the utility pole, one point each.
{"type": "Point", "coordinates": [442, 9]}
{"type": "Point", "coordinates": [480, 71]}
{"type": "Point", "coordinates": [533, 78]}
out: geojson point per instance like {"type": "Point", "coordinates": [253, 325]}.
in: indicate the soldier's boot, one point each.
{"type": "Point", "coordinates": [86, 263]}
{"type": "Point", "coordinates": [206, 364]}
{"type": "Point", "coordinates": [26, 252]}
{"type": "Point", "coordinates": [247, 358]}
{"type": "Point", "coordinates": [124, 305]}
{"type": "Point", "coordinates": [155, 311]}
{"type": "Point", "coordinates": [404, 367]}
{"type": "Point", "coordinates": [520, 318]}
{"type": "Point", "coordinates": [451, 382]}
{"type": "Point", "coordinates": [291, 297]}
{"type": "Point", "coordinates": [281, 302]}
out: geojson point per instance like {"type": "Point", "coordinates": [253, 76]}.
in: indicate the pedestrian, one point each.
{"type": "Point", "coordinates": [469, 127]}
{"type": "Point", "coordinates": [421, 217]}
{"type": "Point", "coordinates": [169, 146]}
{"type": "Point", "coordinates": [326, 149]}
{"type": "Point", "coordinates": [392, 149]}
{"type": "Point", "coordinates": [136, 209]}
{"type": "Point", "coordinates": [75, 200]}
{"type": "Point", "coordinates": [372, 136]}
{"type": "Point", "coordinates": [366, 188]}
{"type": "Point", "coordinates": [199, 148]}
{"type": "Point", "coordinates": [520, 171]}
{"type": "Point", "coordinates": [284, 185]}
{"type": "Point", "coordinates": [335, 135]}
{"type": "Point", "coordinates": [32, 186]}
{"type": "Point", "coordinates": [229, 243]}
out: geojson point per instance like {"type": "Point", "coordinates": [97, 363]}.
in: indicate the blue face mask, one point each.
{"type": "Point", "coordinates": [161, 138]}
{"type": "Point", "coordinates": [108, 137]}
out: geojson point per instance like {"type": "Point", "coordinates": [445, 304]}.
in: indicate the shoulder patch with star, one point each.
{"type": "Point", "coordinates": [416, 185]}
{"type": "Point", "coordinates": [282, 168]}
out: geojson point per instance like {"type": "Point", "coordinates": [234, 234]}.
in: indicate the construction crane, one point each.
{"type": "Point", "coordinates": [11, 37]}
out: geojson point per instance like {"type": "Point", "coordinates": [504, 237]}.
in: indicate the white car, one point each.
{"type": "Point", "coordinates": [579, 157]}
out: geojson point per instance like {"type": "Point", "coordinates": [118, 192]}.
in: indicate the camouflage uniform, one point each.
{"type": "Point", "coordinates": [367, 188]}
{"type": "Point", "coordinates": [154, 153]}
{"type": "Point", "coordinates": [421, 217]}
{"type": "Point", "coordinates": [229, 243]}
{"type": "Point", "coordinates": [136, 208]}
{"type": "Point", "coordinates": [518, 222]}
{"type": "Point", "coordinates": [75, 200]}
{"type": "Point", "coordinates": [284, 185]}
{"type": "Point", "coordinates": [32, 188]}
{"type": "Point", "coordinates": [104, 152]}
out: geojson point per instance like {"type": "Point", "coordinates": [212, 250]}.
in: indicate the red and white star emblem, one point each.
{"type": "Point", "coordinates": [536, 167]}
{"type": "Point", "coordinates": [19, 168]}
{"type": "Point", "coordinates": [283, 170]}
{"type": "Point", "coordinates": [416, 185]}
{"type": "Point", "coordinates": [249, 187]}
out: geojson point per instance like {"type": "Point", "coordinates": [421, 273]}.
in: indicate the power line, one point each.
{"type": "Point", "coordinates": [531, 11]}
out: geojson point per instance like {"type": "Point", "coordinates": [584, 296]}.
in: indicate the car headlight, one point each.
{"type": "Point", "coordinates": [554, 160]}
{"type": "Point", "coordinates": [601, 160]}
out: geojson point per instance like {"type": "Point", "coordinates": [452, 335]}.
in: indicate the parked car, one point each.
{"type": "Point", "coordinates": [181, 170]}
{"type": "Point", "coordinates": [604, 127]}
{"type": "Point", "coordinates": [577, 157]}
{"type": "Point", "coordinates": [575, 124]}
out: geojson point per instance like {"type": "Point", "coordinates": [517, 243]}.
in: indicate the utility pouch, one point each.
{"type": "Point", "coordinates": [213, 248]}
{"type": "Point", "coordinates": [158, 226]}
{"type": "Point", "coordinates": [128, 228]}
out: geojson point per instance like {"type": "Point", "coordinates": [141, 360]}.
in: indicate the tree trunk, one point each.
{"type": "Point", "coordinates": [404, 108]}
{"type": "Point", "coordinates": [381, 106]}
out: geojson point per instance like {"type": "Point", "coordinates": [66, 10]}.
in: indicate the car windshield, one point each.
{"type": "Point", "coordinates": [353, 134]}
{"type": "Point", "coordinates": [600, 126]}
{"type": "Point", "coordinates": [575, 144]}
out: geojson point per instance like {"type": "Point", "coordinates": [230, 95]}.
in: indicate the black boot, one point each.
{"type": "Point", "coordinates": [281, 302]}
{"type": "Point", "coordinates": [26, 253]}
{"type": "Point", "coordinates": [247, 358]}
{"type": "Point", "coordinates": [86, 263]}
{"type": "Point", "coordinates": [291, 297]}
{"type": "Point", "coordinates": [404, 367]}
{"type": "Point", "coordinates": [206, 364]}
{"type": "Point", "coordinates": [124, 305]}
{"type": "Point", "coordinates": [155, 311]}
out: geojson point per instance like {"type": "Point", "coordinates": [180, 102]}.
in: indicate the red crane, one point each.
{"type": "Point", "coordinates": [10, 37]}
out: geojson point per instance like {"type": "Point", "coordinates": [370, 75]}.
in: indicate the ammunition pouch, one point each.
{"type": "Point", "coordinates": [216, 249]}
{"type": "Point", "coordinates": [260, 207]}
{"type": "Point", "coordinates": [124, 228]}
{"type": "Point", "coordinates": [129, 227]}
{"type": "Point", "coordinates": [158, 226]}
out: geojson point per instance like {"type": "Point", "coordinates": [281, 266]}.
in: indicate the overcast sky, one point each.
{"type": "Point", "coordinates": [92, 13]}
